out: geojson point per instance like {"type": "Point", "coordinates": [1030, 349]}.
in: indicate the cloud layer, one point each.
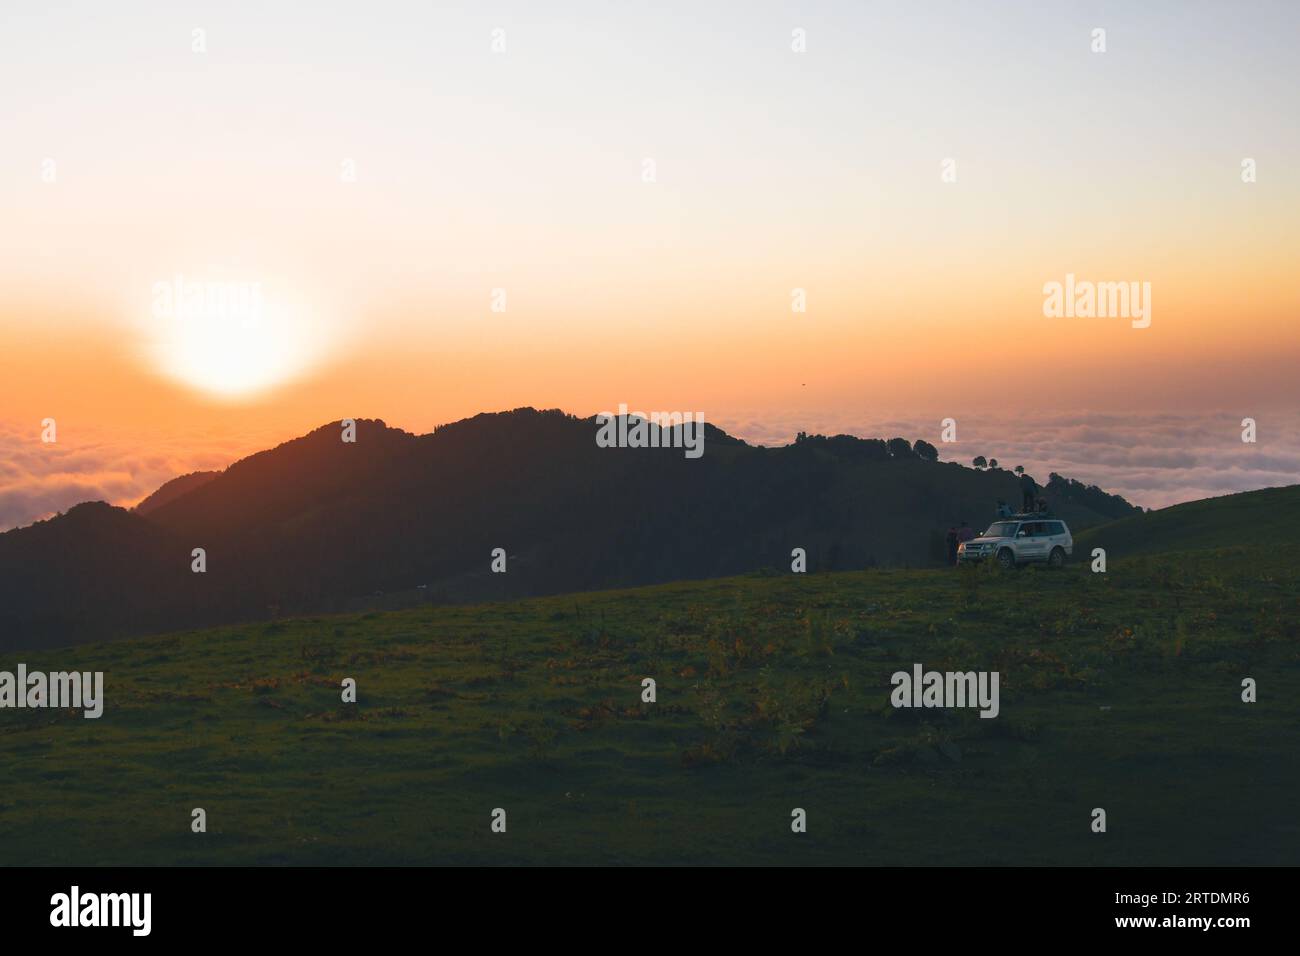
{"type": "Point", "coordinates": [39, 479]}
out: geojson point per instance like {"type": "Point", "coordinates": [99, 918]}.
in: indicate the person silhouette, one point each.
{"type": "Point", "coordinates": [1028, 490]}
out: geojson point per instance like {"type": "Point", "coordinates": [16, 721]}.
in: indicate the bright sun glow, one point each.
{"type": "Point", "coordinates": [228, 340]}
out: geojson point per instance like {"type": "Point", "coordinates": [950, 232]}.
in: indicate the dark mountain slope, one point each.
{"type": "Point", "coordinates": [174, 489]}
{"type": "Point", "coordinates": [92, 572]}
{"type": "Point", "coordinates": [1269, 517]}
{"type": "Point", "coordinates": [317, 523]}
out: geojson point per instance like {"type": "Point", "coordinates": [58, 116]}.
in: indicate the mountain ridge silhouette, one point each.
{"type": "Point", "coordinates": [317, 524]}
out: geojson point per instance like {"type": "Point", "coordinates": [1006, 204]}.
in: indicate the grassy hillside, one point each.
{"type": "Point", "coordinates": [1119, 691]}
{"type": "Point", "coordinates": [1268, 518]}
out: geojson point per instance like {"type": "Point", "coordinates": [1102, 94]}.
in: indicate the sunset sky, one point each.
{"type": "Point", "coordinates": [129, 158]}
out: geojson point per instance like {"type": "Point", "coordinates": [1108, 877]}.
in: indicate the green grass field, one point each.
{"type": "Point", "coordinates": [1257, 519]}
{"type": "Point", "coordinates": [1119, 691]}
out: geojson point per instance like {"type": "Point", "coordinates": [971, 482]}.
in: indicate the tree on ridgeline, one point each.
{"type": "Point", "coordinates": [924, 450]}
{"type": "Point", "coordinates": [900, 448]}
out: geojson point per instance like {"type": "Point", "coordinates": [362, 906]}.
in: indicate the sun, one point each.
{"type": "Point", "coordinates": [231, 360]}
{"type": "Point", "coordinates": [228, 340]}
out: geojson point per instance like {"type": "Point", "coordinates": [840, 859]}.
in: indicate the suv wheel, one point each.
{"type": "Point", "coordinates": [1006, 559]}
{"type": "Point", "coordinates": [1057, 558]}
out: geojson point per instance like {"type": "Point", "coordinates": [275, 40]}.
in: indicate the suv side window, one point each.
{"type": "Point", "coordinates": [1030, 528]}
{"type": "Point", "coordinates": [1055, 528]}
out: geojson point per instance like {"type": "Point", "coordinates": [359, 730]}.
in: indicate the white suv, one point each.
{"type": "Point", "coordinates": [1021, 540]}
